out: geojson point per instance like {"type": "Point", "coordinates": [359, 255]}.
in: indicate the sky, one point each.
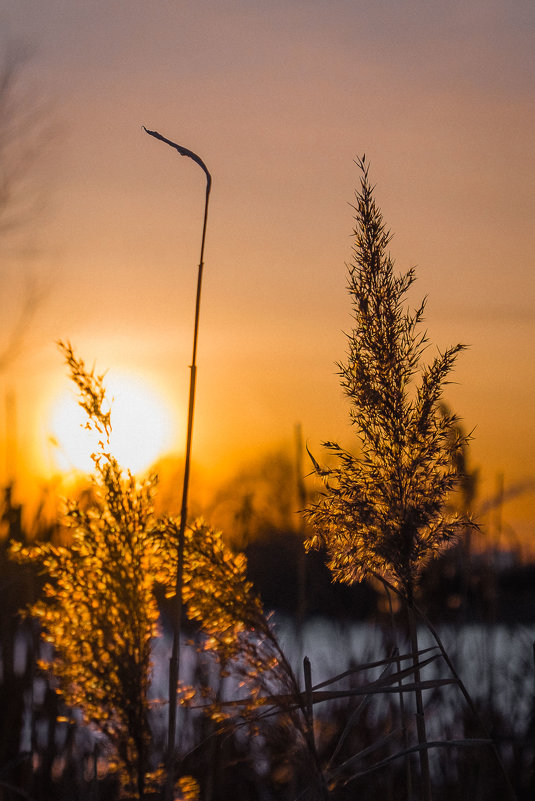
{"type": "Point", "coordinates": [279, 99]}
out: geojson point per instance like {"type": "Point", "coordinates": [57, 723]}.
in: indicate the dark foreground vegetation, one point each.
{"type": "Point", "coordinates": [47, 753]}
{"type": "Point", "coordinates": [371, 702]}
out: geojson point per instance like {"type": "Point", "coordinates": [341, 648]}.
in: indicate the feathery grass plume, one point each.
{"type": "Point", "coordinates": [384, 509]}
{"type": "Point", "coordinates": [265, 693]}
{"type": "Point", "coordinates": [241, 638]}
{"type": "Point", "coordinates": [234, 627]}
{"type": "Point", "coordinates": [98, 610]}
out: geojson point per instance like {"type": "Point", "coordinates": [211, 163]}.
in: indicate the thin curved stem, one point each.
{"type": "Point", "coordinates": [174, 662]}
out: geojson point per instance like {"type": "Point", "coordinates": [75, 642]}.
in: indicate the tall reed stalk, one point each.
{"type": "Point", "coordinates": [384, 509]}
{"type": "Point", "coordinates": [174, 662]}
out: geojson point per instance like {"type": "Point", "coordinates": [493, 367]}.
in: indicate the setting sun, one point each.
{"type": "Point", "coordinates": [141, 422]}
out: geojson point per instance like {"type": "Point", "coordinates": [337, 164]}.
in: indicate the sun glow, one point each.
{"type": "Point", "coordinates": [142, 427]}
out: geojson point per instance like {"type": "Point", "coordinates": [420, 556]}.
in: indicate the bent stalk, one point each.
{"type": "Point", "coordinates": [174, 662]}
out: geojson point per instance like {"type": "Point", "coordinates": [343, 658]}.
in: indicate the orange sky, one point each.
{"type": "Point", "coordinates": [278, 99]}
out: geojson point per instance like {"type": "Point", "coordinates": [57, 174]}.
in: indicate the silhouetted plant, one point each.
{"type": "Point", "coordinates": [384, 509]}
{"type": "Point", "coordinates": [241, 638]}
{"type": "Point", "coordinates": [266, 695]}
{"type": "Point", "coordinates": [98, 609]}
{"type": "Point", "coordinates": [100, 614]}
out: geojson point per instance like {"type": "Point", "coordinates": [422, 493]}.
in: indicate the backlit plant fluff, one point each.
{"type": "Point", "coordinates": [383, 510]}
{"type": "Point", "coordinates": [98, 607]}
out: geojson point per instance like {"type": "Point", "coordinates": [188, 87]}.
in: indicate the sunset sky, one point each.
{"type": "Point", "coordinates": [279, 98]}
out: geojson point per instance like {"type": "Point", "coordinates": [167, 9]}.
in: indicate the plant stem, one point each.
{"type": "Point", "coordinates": [309, 714]}
{"type": "Point", "coordinates": [174, 661]}
{"type": "Point", "coordinates": [420, 714]}
{"type": "Point", "coordinates": [467, 697]}
{"type": "Point", "coordinates": [402, 708]}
